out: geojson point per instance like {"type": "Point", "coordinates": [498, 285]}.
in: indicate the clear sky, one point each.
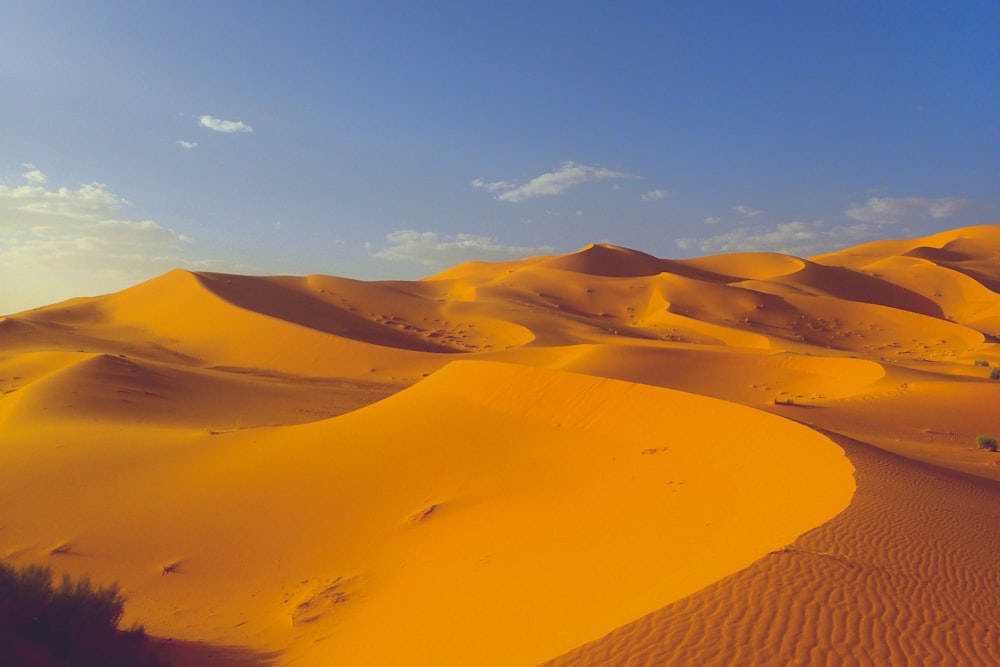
{"type": "Point", "coordinates": [383, 140]}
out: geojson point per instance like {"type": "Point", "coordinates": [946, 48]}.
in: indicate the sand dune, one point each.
{"type": "Point", "coordinates": [604, 456]}
{"type": "Point", "coordinates": [905, 576]}
{"type": "Point", "coordinates": [422, 511]}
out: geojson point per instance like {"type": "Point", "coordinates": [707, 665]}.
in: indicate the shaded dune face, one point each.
{"type": "Point", "coordinates": [604, 456]}
{"type": "Point", "coordinates": [607, 260]}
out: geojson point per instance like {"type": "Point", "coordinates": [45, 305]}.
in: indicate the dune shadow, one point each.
{"type": "Point", "coordinates": [790, 403]}
{"type": "Point", "coordinates": [180, 653]}
{"type": "Point", "coordinates": [850, 285]}
{"type": "Point", "coordinates": [286, 302]}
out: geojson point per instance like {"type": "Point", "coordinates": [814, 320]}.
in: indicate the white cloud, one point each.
{"type": "Point", "coordinates": [749, 212]}
{"type": "Point", "coordinates": [431, 249]}
{"type": "Point", "coordinates": [186, 144]}
{"type": "Point", "coordinates": [892, 210]}
{"type": "Point", "coordinates": [75, 241]}
{"type": "Point", "coordinates": [559, 214]}
{"type": "Point", "coordinates": [711, 221]}
{"type": "Point", "coordinates": [656, 195]}
{"type": "Point", "coordinates": [801, 239]}
{"type": "Point", "coordinates": [227, 126]}
{"type": "Point", "coordinates": [568, 175]}
{"type": "Point", "coordinates": [34, 175]}
{"type": "Point", "coordinates": [492, 186]}
{"type": "Point", "coordinates": [89, 201]}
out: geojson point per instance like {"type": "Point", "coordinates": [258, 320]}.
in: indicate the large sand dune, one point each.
{"type": "Point", "coordinates": [602, 458]}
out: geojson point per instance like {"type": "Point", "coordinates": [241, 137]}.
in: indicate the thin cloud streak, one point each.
{"type": "Point", "coordinates": [569, 174]}
{"type": "Point", "coordinates": [655, 195]}
{"type": "Point", "coordinates": [893, 210]}
{"type": "Point", "coordinates": [494, 186]}
{"type": "Point", "coordinates": [748, 211]}
{"type": "Point", "coordinates": [225, 126]}
{"type": "Point", "coordinates": [802, 239]}
{"type": "Point", "coordinates": [432, 249]}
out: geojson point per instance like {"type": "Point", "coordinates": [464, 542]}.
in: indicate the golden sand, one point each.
{"type": "Point", "coordinates": [603, 456]}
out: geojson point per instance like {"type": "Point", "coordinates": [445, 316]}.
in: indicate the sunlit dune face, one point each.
{"type": "Point", "coordinates": [503, 463]}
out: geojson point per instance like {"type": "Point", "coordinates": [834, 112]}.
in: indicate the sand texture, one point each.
{"type": "Point", "coordinates": [601, 458]}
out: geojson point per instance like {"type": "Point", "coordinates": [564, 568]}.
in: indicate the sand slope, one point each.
{"type": "Point", "coordinates": [505, 463]}
{"type": "Point", "coordinates": [450, 512]}
{"type": "Point", "coordinates": [906, 576]}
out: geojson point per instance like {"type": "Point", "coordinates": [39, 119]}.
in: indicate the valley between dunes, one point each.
{"type": "Point", "coordinates": [601, 458]}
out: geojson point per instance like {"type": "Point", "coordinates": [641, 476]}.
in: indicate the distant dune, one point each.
{"type": "Point", "coordinates": [601, 458]}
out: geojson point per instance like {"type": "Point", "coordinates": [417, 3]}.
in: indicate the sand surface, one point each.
{"type": "Point", "coordinates": [602, 458]}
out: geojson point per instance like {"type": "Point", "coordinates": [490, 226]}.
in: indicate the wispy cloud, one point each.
{"type": "Point", "coordinates": [78, 240]}
{"type": "Point", "coordinates": [186, 144]}
{"type": "Point", "coordinates": [569, 174]}
{"type": "Point", "coordinates": [802, 239]}
{"type": "Point", "coordinates": [33, 175]}
{"type": "Point", "coordinates": [228, 126]}
{"type": "Point", "coordinates": [892, 210]}
{"type": "Point", "coordinates": [655, 195]}
{"type": "Point", "coordinates": [492, 186]}
{"type": "Point", "coordinates": [749, 212]}
{"type": "Point", "coordinates": [432, 249]}
{"type": "Point", "coordinates": [711, 220]}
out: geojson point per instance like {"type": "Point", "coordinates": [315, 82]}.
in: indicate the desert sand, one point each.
{"type": "Point", "coordinates": [601, 458]}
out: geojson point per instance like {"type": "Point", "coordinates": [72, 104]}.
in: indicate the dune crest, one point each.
{"type": "Point", "coordinates": [607, 260]}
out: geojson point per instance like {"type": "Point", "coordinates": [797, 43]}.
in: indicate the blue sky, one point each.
{"type": "Point", "coordinates": [385, 140]}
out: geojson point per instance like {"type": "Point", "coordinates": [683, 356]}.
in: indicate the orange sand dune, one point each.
{"type": "Point", "coordinates": [971, 250]}
{"type": "Point", "coordinates": [750, 377]}
{"type": "Point", "coordinates": [451, 512]}
{"type": "Point", "coordinates": [748, 265]}
{"type": "Point", "coordinates": [313, 471]}
{"type": "Point", "coordinates": [178, 318]}
{"type": "Point", "coordinates": [99, 387]}
{"type": "Point", "coordinates": [905, 576]}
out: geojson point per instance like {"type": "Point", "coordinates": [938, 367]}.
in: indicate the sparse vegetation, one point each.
{"type": "Point", "coordinates": [981, 362]}
{"type": "Point", "coordinates": [995, 373]}
{"type": "Point", "coordinates": [74, 624]}
{"type": "Point", "coordinates": [987, 442]}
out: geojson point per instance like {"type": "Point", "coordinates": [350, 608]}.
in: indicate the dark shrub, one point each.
{"type": "Point", "coordinates": [72, 625]}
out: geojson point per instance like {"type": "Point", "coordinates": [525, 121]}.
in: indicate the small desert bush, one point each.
{"type": "Point", "coordinates": [987, 442]}
{"type": "Point", "coordinates": [981, 362]}
{"type": "Point", "coordinates": [995, 373]}
{"type": "Point", "coordinates": [74, 624]}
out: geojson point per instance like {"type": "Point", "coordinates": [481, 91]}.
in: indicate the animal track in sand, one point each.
{"type": "Point", "coordinates": [319, 599]}
{"type": "Point", "coordinates": [423, 514]}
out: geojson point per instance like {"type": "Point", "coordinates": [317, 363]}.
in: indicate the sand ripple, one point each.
{"type": "Point", "coordinates": [907, 575]}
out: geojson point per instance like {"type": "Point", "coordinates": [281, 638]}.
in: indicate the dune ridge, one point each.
{"type": "Point", "coordinates": [874, 586]}
{"type": "Point", "coordinates": [438, 555]}
{"type": "Point", "coordinates": [284, 467]}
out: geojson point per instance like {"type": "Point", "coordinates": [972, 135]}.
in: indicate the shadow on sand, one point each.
{"type": "Point", "coordinates": [179, 653]}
